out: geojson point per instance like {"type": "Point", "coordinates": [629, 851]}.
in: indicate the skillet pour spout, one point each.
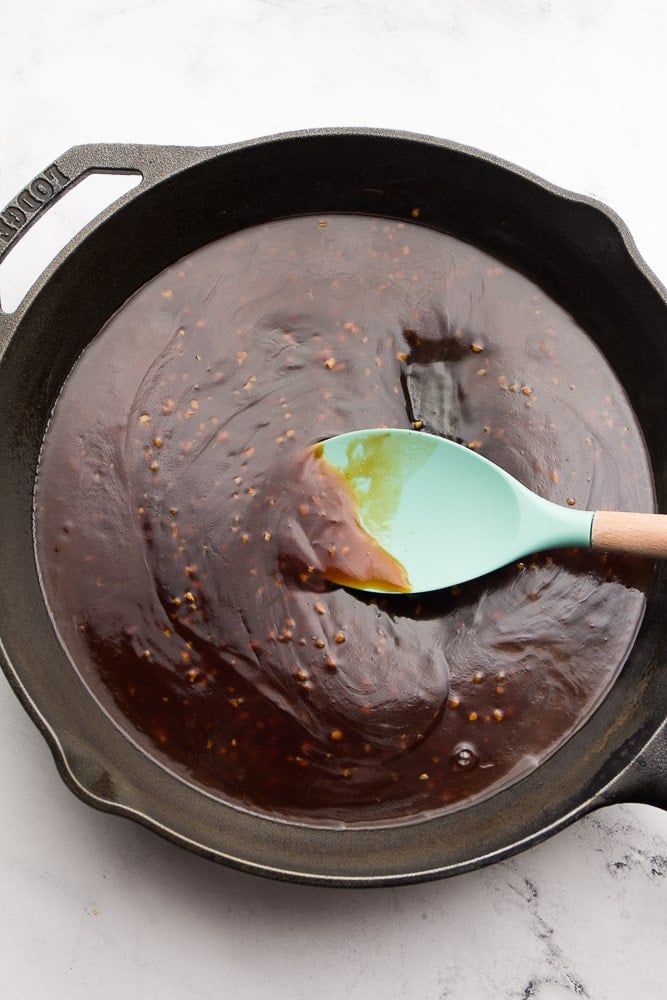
{"type": "Point", "coordinates": [575, 249]}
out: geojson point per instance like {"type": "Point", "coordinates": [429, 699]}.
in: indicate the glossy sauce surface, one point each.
{"type": "Point", "coordinates": [183, 541]}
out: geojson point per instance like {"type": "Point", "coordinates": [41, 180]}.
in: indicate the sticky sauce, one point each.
{"type": "Point", "coordinates": [331, 507]}
{"type": "Point", "coordinates": [184, 549]}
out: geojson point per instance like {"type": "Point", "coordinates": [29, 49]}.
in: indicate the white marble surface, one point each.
{"type": "Point", "coordinates": [93, 906]}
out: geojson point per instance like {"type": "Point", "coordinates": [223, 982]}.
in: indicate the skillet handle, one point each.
{"type": "Point", "coordinates": [644, 779]}
{"type": "Point", "coordinates": [151, 163]}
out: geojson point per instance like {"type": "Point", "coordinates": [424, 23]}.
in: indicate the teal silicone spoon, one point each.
{"type": "Point", "coordinates": [447, 515]}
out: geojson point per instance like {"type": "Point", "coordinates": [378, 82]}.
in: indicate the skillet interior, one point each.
{"type": "Point", "coordinates": [574, 249]}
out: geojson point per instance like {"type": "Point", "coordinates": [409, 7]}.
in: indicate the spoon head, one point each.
{"type": "Point", "coordinates": [445, 513]}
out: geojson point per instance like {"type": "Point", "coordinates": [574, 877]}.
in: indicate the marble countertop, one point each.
{"type": "Point", "coordinates": [94, 906]}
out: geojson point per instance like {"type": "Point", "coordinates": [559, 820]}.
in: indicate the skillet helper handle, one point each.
{"type": "Point", "coordinates": [48, 186]}
{"type": "Point", "coordinates": [639, 534]}
{"type": "Point", "coordinates": [151, 163]}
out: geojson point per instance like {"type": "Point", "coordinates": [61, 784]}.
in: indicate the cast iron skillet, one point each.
{"type": "Point", "coordinates": [576, 249]}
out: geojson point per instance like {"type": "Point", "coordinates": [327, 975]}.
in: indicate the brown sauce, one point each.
{"type": "Point", "coordinates": [183, 556]}
{"type": "Point", "coordinates": [327, 535]}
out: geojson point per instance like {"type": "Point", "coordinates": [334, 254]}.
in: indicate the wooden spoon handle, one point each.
{"type": "Point", "coordinates": [641, 534]}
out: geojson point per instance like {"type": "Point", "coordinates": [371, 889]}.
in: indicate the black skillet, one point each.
{"type": "Point", "coordinates": [576, 249]}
